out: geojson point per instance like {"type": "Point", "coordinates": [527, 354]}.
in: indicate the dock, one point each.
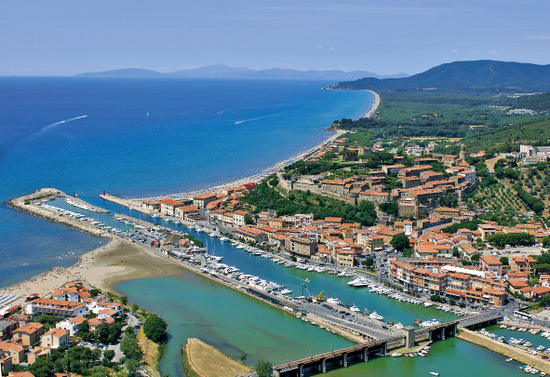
{"type": "Point", "coordinates": [33, 205]}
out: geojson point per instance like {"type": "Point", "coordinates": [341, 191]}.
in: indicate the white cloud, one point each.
{"type": "Point", "coordinates": [454, 50]}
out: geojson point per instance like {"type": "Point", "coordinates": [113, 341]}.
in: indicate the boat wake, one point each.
{"type": "Point", "coordinates": [258, 118]}
{"type": "Point", "coordinates": [53, 125]}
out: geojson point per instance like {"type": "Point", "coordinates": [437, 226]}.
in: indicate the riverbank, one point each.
{"type": "Point", "coordinates": [504, 349]}
{"type": "Point", "coordinates": [207, 361]}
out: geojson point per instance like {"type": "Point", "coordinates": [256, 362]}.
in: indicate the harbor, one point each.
{"type": "Point", "coordinates": [219, 249]}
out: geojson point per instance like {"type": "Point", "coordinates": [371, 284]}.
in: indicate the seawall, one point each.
{"type": "Point", "coordinates": [504, 349]}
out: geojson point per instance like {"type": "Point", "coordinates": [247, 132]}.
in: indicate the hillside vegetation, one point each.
{"type": "Point", "coordinates": [539, 103]}
{"type": "Point", "coordinates": [481, 76]}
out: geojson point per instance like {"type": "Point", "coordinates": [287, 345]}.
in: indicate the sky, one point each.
{"type": "Point", "coordinates": [66, 37]}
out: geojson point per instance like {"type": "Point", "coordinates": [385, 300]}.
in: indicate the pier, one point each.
{"type": "Point", "coordinates": [363, 352]}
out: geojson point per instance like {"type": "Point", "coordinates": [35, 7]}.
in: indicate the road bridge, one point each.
{"type": "Point", "coordinates": [363, 352]}
{"type": "Point", "coordinates": [481, 320]}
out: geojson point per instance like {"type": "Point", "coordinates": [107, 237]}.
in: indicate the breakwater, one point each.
{"type": "Point", "coordinates": [33, 204]}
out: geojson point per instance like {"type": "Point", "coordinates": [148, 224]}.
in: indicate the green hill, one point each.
{"type": "Point", "coordinates": [481, 76]}
{"type": "Point", "coordinates": [539, 103]}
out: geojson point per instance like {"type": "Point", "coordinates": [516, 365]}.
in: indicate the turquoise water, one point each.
{"type": "Point", "coordinates": [235, 323]}
{"type": "Point", "coordinates": [230, 321]}
{"type": "Point", "coordinates": [138, 137]}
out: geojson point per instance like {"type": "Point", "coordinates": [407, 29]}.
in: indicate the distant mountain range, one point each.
{"type": "Point", "coordinates": [466, 76]}
{"type": "Point", "coordinates": [227, 72]}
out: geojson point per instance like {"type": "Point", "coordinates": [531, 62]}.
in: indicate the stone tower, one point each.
{"type": "Point", "coordinates": [462, 152]}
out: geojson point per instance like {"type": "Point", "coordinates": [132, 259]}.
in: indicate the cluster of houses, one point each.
{"type": "Point", "coordinates": [435, 265]}
{"type": "Point", "coordinates": [23, 341]}
{"type": "Point", "coordinates": [421, 188]}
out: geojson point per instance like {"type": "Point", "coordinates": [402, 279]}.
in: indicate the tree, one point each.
{"type": "Point", "coordinates": [400, 242]}
{"type": "Point", "coordinates": [155, 328]}
{"type": "Point", "coordinates": [102, 333]}
{"type": "Point", "coordinates": [475, 257]}
{"type": "Point", "coordinates": [248, 219]}
{"type": "Point", "coordinates": [84, 327]}
{"type": "Point", "coordinates": [504, 260]}
{"type": "Point", "coordinates": [368, 263]}
{"type": "Point", "coordinates": [456, 253]}
{"type": "Point", "coordinates": [108, 356]}
{"type": "Point", "coordinates": [131, 366]}
{"type": "Point", "coordinates": [264, 368]}
{"type": "Point", "coordinates": [130, 347]}
{"type": "Point", "coordinates": [42, 367]}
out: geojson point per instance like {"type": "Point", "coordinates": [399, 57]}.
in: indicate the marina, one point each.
{"type": "Point", "coordinates": [234, 258]}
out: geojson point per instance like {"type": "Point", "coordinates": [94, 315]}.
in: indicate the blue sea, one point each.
{"type": "Point", "coordinates": [141, 137]}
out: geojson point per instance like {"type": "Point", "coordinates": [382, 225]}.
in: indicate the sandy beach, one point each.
{"type": "Point", "coordinates": [374, 105]}
{"type": "Point", "coordinates": [103, 268]}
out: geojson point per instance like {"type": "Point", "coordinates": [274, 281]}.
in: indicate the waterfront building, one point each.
{"type": "Point", "coordinates": [168, 206]}
{"type": "Point", "coordinates": [66, 294]}
{"type": "Point", "coordinates": [182, 212]}
{"type": "Point", "coordinates": [345, 258]}
{"type": "Point", "coordinates": [201, 201]}
{"type": "Point", "coordinates": [300, 246]}
{"type": "Point", "coordinates": [447, 278]}
{"type": "Point", "coordinates": [250, 234]}
{"type": "Point", "coordinates": [239, 217]}
{"type": "Point", "coordinates": [150, 205]}
{"type": "Point", "coordinates": [56, 307]}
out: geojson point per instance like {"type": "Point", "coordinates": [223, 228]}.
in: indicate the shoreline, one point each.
{"type": "Point", "coordinates": [256, 178]}
{"type": "Point", "coordinates": [57, 274]}
{"type": "Point", "coordinates": [374, 105]}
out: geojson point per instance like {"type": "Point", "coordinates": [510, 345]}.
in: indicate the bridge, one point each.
{"type": "Point", "coordinates": [363, 352]}
{"type": "Point", "coordinates": [481, 320]}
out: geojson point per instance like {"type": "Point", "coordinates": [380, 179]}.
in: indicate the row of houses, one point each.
{"type": "Point", "coordinates": [447, 277]}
